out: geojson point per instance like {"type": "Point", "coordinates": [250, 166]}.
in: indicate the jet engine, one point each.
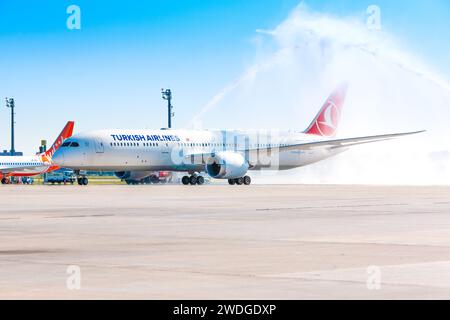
{"type": "Point", "coordinates": [227, 165]}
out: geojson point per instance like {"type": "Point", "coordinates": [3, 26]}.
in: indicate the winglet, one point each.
{"type": "Point", "coordinates": [326, 122]}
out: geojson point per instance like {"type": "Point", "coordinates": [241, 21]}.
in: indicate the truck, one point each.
{"type": "Point", "coordinates": [60, 177]}
{"type": "Point", "coordinates": [154, 178]}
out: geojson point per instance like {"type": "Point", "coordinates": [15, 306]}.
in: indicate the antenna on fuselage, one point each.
{"type": "Point", "coordinates": [167, 95]}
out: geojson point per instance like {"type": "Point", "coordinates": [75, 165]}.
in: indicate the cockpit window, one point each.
{"type": "Point", "coordinates": [65, 144]}
{"type": "Point", "coordinates": [75, 144]}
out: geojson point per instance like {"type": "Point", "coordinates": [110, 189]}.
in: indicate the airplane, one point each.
{"type": "Point", "coordinates": [133, 154]}
{"type": "Point", "coordinates": [27, 166]}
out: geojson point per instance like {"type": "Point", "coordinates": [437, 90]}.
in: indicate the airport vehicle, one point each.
{"type": "Point", "coordinates": [27, 180]}
{"type": "Point", "coordinates": [19, 180]}
{"type": "Point", "coordinates": [220, 154]}
{"type": "Point", "coordinates": [145, 177]}
{"type": "Point", "coordinates": [60, 177]}
{"type": "Point", "coordinates": [27, 166]}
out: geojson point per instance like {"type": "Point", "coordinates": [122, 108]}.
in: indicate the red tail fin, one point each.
{"type": "Point", "coordinates": [326, 122]}
{"type": "Point", "coordinates": [65, 133]}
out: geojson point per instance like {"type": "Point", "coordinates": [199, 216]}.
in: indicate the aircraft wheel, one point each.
{"type": "Point", "coordinates": [85, 181]}
{"type": "Point", "coordinates": [240, 181]}
{"type": "Point", "coordinates": [80, 182]}
{"type": "Point", "coordinates": [3, 181]}
{"type": "Point", "coordinates": [193, 180]}
{"type": "Point", "coordinates": [154, 179]}
{"type": "Point", "coordinates": [200, 180]}
{"type": "Point", "coordinates": [231, 182]}
{"type": "Point", "coordinates": [185, 180]}
{"type": "Point", "coordinates": [247, 180]}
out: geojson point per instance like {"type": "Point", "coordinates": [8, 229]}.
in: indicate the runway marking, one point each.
{"type": "Point", "coordinates": [362, 243]}
{"type": "Point", "coordinates": [24, 252]}
{"type": "Point", "coordinates": [334, 207]}
{"type": "Point", "coordinates": [428, 274]}
{"type": "Point", "coordinates": [82, 216]}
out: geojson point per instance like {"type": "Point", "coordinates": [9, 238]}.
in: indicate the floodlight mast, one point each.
{"type": "Point", "coordinates": [167, 95]}
{"type": "Point", "coordinates": [10, 104]}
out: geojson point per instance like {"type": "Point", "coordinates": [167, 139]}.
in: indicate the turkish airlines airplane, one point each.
{"type": "Point", "coordinates": [220, 154]}
{"type": "Point", "coordinates": [27, 166]}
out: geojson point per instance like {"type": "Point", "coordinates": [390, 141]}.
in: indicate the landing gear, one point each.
{"type": "Point", "coordinates": [193, 180]}
{"type": "Point", "coordinates": [200, 180]}
{"type": "Point", "coordinates": [240, 181]}
{"type": "Point", "coordinates": [83, 181]}
{"type": "Point", "coordinates": [185, 180]}
{"type": "Point", "coordinates": [4, 181]}
{"type": "Point", "coordinates": [154, 179]}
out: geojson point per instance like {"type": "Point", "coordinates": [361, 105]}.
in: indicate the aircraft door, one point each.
{"type": "Point", "coordinates": [99, 146]}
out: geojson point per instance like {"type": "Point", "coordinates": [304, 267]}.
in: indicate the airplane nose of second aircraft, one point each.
{"type": "Point", "coordinates": [58, 158]}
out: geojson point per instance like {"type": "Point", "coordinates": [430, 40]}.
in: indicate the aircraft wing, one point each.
{"type": "Point", "coordinates": [344, 143]}
{"type": "Point", "coordinates": [327, 144]}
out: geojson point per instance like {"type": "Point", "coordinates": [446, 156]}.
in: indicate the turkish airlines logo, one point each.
{"type": "Point", "coordinates": [328, 115]}
{"type": "Point", "coordinates": [328, 121]}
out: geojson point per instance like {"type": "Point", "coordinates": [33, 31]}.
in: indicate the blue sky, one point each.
{"type": "Point", "coordinates": [109, 73]}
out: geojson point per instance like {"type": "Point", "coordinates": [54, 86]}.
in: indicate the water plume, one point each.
{"type": "Point", "coordinates": [391, 90]}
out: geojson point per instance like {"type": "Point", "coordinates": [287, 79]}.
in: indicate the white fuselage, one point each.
{"type": "Point", "coordinates": [183, 150]}
{"type": "Point", "coordinates": [22, 165]}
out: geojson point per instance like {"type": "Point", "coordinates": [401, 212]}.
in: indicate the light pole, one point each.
{"type": "Point", "coordinates": [167, 95]}
{"type": "Point", "coordinates": [10, 104]}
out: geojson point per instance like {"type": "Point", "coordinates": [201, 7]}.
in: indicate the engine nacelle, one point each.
{"type": "Point", "coordinates": [226, 165]}
{"type": "Point", "coordinates": [133, 175]}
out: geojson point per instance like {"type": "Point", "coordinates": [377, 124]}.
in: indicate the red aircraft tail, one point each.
{"type": "Point", "coordinates": [65, 133]}
{"type": "Point", "coordinates": [326, 122]}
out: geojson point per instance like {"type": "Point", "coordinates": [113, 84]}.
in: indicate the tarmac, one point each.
{"type": "Point", "coordinates": [224, 242]}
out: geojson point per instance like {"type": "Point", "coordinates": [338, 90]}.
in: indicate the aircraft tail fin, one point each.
{"type": "Point", "coordinates": [326, 122]}
{"type": "Point", "coordinates": [65, 133]}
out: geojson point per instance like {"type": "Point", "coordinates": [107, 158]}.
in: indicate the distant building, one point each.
{"type": "Point", "coordinates": [6, 153]}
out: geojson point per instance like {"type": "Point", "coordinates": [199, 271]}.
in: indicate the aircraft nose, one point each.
{"type": "Point", "coordinates": [58, 158]}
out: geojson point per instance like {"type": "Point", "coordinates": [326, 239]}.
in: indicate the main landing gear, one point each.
{"type": "Point", "coordinates": [4, 181]}
{"type": "Point", "coordinates": [193, 180]}
{"type": "Point", "coordinates": [82, 181]}
{"type": "Point", "coordinates": [240, 181]}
